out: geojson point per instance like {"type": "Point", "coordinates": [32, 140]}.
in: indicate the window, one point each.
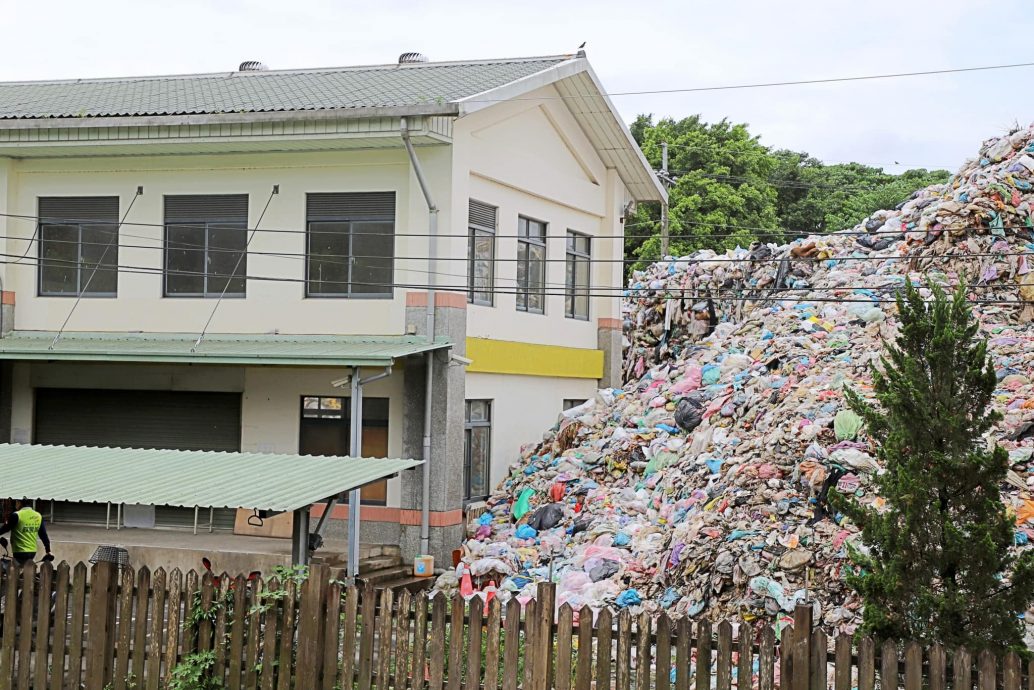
{"type": "Point", "coordinates": [572, 402]}
{"type": "Point", "coordinates": [531, 265]}
{"type": "Point", "coordinates": [78, 246]}
{"type": "Point", "coordinates": [326, 430]}
{"type": "Point", "coordinates": [206, 237]}
{"type": "Point", "coordinates": [577, 278]}
{"type": "Point", "coordinates": [481, 220]}
{"type": "Point", "coordinates": [477, 449]}
{"type": "Point", "coordinates": [350, 244]}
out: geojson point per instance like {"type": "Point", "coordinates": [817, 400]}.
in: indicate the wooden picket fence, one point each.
{"type": "Point", "coordinates": [72, 628]}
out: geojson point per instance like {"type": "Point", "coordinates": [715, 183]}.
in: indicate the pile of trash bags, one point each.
{"type": "Point", "coordinates": [701, 487]}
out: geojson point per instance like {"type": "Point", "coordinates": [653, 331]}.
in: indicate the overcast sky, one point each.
{"type": "Point", "coordinates": [932, 121]}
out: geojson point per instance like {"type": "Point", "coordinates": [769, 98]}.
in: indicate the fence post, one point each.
{"type": "Point", "coordinates": [544, 658]}
{"type": "Point", "coordinates": [100, 641]}
{"type": "Point", "coordinates": [311, 622]}
{"type": "Point", "coordinates": [800, 670]}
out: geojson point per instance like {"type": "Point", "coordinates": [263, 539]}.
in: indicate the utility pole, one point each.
{"type": "Point", "coordinates": [664, 204]}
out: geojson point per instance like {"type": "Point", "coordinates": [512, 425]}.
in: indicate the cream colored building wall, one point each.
{"type": "Point", "coordinates": [270, 407]}
{"type": "Point", "coordinates": [523, 408]}
{"type": "Point", "coordinates": [530, 157]}
{"type": "Point", "coordinates": [269, 306]}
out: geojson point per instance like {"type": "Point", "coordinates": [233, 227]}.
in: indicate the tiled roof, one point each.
{"type": "Point", "coordinates": [381, 86]}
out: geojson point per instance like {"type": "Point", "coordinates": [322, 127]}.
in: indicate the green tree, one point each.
{"type": "Point", "coordinates": [722, 186]}
{"type": "Point", "coordinates": [938, 565]}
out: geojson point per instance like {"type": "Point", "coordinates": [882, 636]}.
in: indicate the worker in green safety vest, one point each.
{"type": "Point", "coordinates": [26, 527]}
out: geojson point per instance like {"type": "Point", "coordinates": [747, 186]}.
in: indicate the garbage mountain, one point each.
{"type": "Point", "coordinates": [701, 486]}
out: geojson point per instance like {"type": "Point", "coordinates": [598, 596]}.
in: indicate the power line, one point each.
{"type": "Point", "coordinates": [765, 85]}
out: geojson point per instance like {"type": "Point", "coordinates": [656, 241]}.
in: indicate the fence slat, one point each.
{"type": "Point", "coordinates": [454, 674]}
{"type": "Point", "coordinates": [888, 664]}
{"type": "Point", "coordinates": [366, 638]}
{"type": "Point", "coordinates": [766, 659]}
{"type": "Point", "coordinates": [1030, 675]}
{"type": "Point", "coordinates": [785, 657]}
{"type": "Point", "coordinates": [724, 673]}
{"type": "Point", "coordinates": [332, 636]}
{"type": "Point", "coordinates": [937, 667]}
{"type": "Point", "coordinates": [348, 630]}
{"type": "Point", "coordinates": [987, 671]}
{"type": "Point", "coordinates": [662, 681]}
{"type": "Point", "coordinates": [745, 656]}
{"type": "Point", "coordinates": [253, 634]}
{"type": "Point", "coordinates": [511, 645]}
{"type": "Point", "coordinates": [703, 655]}
{"type": "Point", "coordinates": [188, 633]}
{"type": "Point", "coordinates": [547, 610]}
{"type": "Point", "coordinates": [235, 662]}
{"type": "Point", "coordinates": [962, 669]}
{"type": "Point", "coordinates": [140, 606]}
{"type": "Point", "coordinates": [683, 653]}
{"type": "Point", "coordinates": [288, 642]}
{"type": "Point", "coordinates": [46, 588]}
{"type": "Point", "coordinates": [75, 649]}
{"type": "Point", "coordinates": [473, 681]}
{"type": "Point", "coordinates": [204, 630]}
{"type": "Point", "coordinates": [819, 649]}
{"type": "Point", "coordinates": [564, 639]}
{"type": "Point", "coordinates": [384, 631]}
{"type": "Point", "coordinates": [124, 622]}
{"type": "Point", "coordinates": [530, 650]}
{"type": "Point", "coordinates": [913, 666]}
{"type": "Point", "coordinates": [27, 573]}
{"type": "Point", "coordinates": [1011, 672]}
{"type": "Point", "coordinates": [223, 595]}
{"type": "Point", "coordinates": [842, 673]}
{"type": "Point", "coordinates": [57, 674]}
{"type": "Point", "coordinates": [623, 663]}
{"type": "Point", "coordinates": [643, 652]}
{"type": "Point", "coordinates": [172, 640]}
{"type": "Point", "coordinates": [436, 655]}
{"type": "Point", "coordinates": [604, 651]}
{"type": "Point", "coordinates": [866, 664]}
{"type": "Point", "coordinates": [402, 630]}
{"type": "Point", "coordinates": [270, 626]}
{"type": "Point", "coordinates": [492, 631]}
{"type": "Point", "coordinates": [154, 661]}
{"type": "Point", "coordinates": [10, 623]}
{"type": "Point", "coordinates": [418, 667]}
{"type": "Point", "coordinates": [802, 631]}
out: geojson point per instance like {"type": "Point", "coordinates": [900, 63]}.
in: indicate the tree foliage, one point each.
{"type": "Point", "coordinates": [938, 565]}
{"type": "Point", "coordinates": [731, 190]}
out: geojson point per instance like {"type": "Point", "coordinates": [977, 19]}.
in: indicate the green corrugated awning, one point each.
{"type": "Point", "coordinates": [185, 478]}
{"type": "Point", "coordinates": [284, 350]}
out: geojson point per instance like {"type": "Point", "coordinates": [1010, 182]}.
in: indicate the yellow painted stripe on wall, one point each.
{"type": "Point", "coordinates": [509, 357]}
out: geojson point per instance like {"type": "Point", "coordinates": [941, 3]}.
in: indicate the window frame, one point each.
{"type": "Point", "coordinates": [468, 428]}
{"type": "Point", "coordinates": [206, 275]}
{"type": "Point", "coordinates": [524, 243]}
{"type": "Point", "coordinates": [573, 256]}
{"type": "Point", "coordinates": [43, 223]}
{"type": "Point", "coordinates": [349, 259]}
{"type": "Point", "coordinates": [474, 231]}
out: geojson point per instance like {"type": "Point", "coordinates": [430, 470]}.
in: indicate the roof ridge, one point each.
{"type": "Point", "coordinates": [303, 70]}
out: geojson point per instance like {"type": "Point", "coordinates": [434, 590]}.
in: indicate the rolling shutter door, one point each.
{"type": "Point", "coordinates": [175, 420]}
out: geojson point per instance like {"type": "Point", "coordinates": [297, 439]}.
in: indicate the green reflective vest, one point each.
{"type": "Point", "coordinates": [27, 531]}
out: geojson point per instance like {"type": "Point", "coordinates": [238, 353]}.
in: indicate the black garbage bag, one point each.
{"type": "Point", "coordinates": [688, 414]}
{"type": "Point", "coordinates": [547, 517]}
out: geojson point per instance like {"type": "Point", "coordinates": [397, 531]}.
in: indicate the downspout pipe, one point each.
{"type": "Point", "coordinates": [432, 275]}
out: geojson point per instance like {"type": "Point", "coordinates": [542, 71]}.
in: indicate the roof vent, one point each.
{"type": "Point", "coordinates": [411, 58]}
{"type": "Point", "coordinates": [252, 66]}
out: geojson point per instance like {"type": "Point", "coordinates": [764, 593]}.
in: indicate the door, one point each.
{"type": "Point", "coordinates": [325, 430]}
{"type": "Point", "coordinates": [173, 420]}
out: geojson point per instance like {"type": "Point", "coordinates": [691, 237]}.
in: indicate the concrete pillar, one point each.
{"type": "Point", "coordinates": [447, 435]}
{"type": "Point", "coordinates": [608, 339]}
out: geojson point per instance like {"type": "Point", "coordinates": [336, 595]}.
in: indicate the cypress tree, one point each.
{"type": "Point", "coordinates": [937, 564]}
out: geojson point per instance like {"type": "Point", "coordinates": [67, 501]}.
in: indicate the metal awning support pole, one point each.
{"type": "Point", "coordinates": [300, 537]}
{"type": "Point", "coordinates": [425, 495]}
{"type": "Point", "coordinates": [355, 450]}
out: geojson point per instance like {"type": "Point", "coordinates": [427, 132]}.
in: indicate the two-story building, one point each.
{"type": "Point", "coordinates": [200, 261]}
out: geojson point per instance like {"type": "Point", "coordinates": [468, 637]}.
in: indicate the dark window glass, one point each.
{"type": "Point", "coordinates": [206, 240]}
{"type": "Point", "coordinates": [531, 265]}
{"type": "Point", "coordinates": [78, 246]}
{"type": "Point", "coordinates": [481, 253]}
{"type": "Point", "coordinates": [350, 244]}
{"type": "Point", "coordinates": [325, 429]}
{"type": "Point", "coordinates": [576, 299]}
{"type": "Point", "coordinates": [477, 449]}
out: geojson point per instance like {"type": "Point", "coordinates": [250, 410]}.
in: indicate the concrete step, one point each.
{"type": "Point", "coordinates": [381, 575]}
{"type": "Point", "coordinates": [367, 565]}
{"type": "Point", "coordinates": [412, 583]}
